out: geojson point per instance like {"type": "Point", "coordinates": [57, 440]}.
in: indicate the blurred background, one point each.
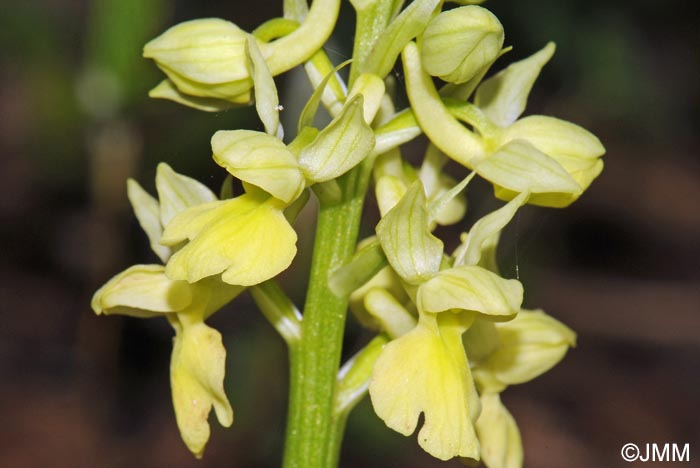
{"type": "Point", "coordinates": [620, 266]}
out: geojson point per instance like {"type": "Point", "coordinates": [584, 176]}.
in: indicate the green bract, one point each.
{"type": "Point", "coordinates": [343, 144]}
{"type": "Point", "coordinates": [405, 236]}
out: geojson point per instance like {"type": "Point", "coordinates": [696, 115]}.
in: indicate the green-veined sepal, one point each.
{"type": "Point", "coordinates": [519, 167]}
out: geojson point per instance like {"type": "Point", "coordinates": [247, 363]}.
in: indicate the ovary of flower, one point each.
{"type": "Point", "coordinates": [247, 239]}
{"type": "Point", "coordinates": [426, 371]}
{"type": "Point", "coordinates": [444, 130]}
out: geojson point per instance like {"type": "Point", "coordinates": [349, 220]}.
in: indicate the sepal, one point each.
{"type": "Point", "coordinates": [178, 192]}
{"type": "Point", "coordinates": [147, 211]}
{"type": "Point", "coordinates": [519, 167]}
{"type": "Point", "coordinates": [260, 159]}
{"type": "Point", "coordinates": [477, 246]}
{"type": "Point", "coordinates": [141, 291]}
{"type": "Point", "coordinates": [530, 345]}
{"type": "Point", "coordinates": [503, 97]}
{"type": "Point", "coordinates": [471, 288]}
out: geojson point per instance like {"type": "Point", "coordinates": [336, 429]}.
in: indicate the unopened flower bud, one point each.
{"type": "Point", "coordinates": [204, 58]}
{"type": "Point", "coordinates": [458, 43]}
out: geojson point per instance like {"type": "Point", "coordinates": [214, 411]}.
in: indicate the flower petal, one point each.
{"type": "Point", "coordinates": [178, 192]}
{"type": "Point", "coordinates": [530, 345]}
{"type": "Point", "coordinates": [147, 211]}
{"type": "Point", "coordinates": [520, 167]}
{"type": "Point", "coordinates": [556, 137]}
{"type": "Point", "coordinates": [197, 370]}
{"type": "Point", "coordinates": [166, 89]}
{"type": "Point", "coordinates": [142, 291]}
{"type": "Point", "coordinates": [246, 238]}
{"type": "Point", "coordinates": [501, 446]}
{"type": "Point", "coordinates": [503, 97]}
{"type": "Point", "coordinates": [266, 99]}
{"type": "Point", "coordinates": [259, 159]}
{"type": "Point", "coordinates": [426, 371]}
{"type": "Point", "coordinates": [471, 288]}
{"type": "Point", "coordinates": [484, 234]}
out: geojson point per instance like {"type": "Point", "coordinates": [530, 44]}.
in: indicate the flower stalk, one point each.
{"type": "Point", "coordinates": [450, 333]}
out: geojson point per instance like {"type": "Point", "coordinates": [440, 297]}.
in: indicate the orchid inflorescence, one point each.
{"type": "Point", "coordinates": [451, 334]}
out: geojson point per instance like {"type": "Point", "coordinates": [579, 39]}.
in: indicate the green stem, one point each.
{"type": "Point", "coordinates": [312, 426]}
